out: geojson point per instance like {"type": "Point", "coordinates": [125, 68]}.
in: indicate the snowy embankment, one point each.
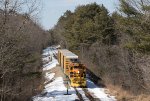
{"type": "Point", "coordinates": [99, 92]}
{"type": "Point", "coordinates": [54, 87]}
{"type": "Point", "coordinates": [55, 90]}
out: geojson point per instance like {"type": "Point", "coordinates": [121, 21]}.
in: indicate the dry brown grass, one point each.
{"type": "Point", "coordinates": [122, 95]}
{"type": "Point", "coordinates": [142, 97]}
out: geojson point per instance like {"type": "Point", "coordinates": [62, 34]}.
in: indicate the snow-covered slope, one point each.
{"type": "Point", "coordinates": [99, 92]}
{"type": "Point", "coordinates": [55, 90]}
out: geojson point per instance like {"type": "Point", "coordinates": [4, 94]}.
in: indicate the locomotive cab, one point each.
{"type": "Point", "coordinates": [77, 75]}
{"type": "Point", "coordinates": [72, 67]}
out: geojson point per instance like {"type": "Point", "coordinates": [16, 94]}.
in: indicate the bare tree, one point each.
{"type": "Point", "coordinates": [15, 16]}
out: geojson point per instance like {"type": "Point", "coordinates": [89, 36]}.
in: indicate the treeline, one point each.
{"type": "Point", "coordinates": [21, 45]}
{"type": "Point", "coordinates": [114, 46]}
{"type": "Point", "coordinates": [87, 25]}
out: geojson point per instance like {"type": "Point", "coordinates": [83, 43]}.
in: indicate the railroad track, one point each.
{"type": "Point", "coordinates": [82, 93]}
{"type": "Point", "coordinates": [87, 97]}
{"type": "Point", "coordinates": [79, 95]}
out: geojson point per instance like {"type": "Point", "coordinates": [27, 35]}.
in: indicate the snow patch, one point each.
{"type": "Point", "coordinates": [55, 92]}
{"type": "Point", "coordinates": [99, 92]}
{"type": "Point", "coordinates": [49, 76]}
{"type": "Point", "coordinates": [50, 65]}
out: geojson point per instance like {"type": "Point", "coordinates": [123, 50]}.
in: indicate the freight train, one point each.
{"type": "Point", "coordinates": [72, 67]}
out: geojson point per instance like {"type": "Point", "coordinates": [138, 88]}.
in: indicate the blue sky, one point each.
{"type": "Point", "coordinates": [53, 9]}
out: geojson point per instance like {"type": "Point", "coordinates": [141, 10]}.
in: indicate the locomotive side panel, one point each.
{"type": "Point", "coordinates": [66, 65]}
{"type": "Point", "coordinates": [62, 60]}
{"type": "Point", "coordinates": [58, 57]}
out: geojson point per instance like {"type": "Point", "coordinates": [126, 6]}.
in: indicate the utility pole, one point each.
{"type": "Point", "coordinates": [67, 87]}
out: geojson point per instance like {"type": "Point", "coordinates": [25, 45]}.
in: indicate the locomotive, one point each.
{"type": "Point", "coordinates": [72, 67]}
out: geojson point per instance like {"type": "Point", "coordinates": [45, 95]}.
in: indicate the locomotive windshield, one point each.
{"type": "Point", "coordinates": [74, 60]}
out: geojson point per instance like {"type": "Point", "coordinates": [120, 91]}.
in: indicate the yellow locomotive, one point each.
{"type": "Point", "coordinates": [75, 71]}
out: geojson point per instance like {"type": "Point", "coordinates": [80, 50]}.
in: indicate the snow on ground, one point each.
{"type": "Point", "coordinates": [55, 90]}
{"type": "Point", "coordinates": [50, 65]}
{"type": "Point", "coordinates": [51, 62]}
{"type": "Point", "coordinates": [49, 76]}
{"type": "Point", "coordinates": [99, 92]}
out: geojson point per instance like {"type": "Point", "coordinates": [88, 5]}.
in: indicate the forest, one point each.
{"type": "Point", "coordinates": [21, 43]}
{"type": "Point", "coordinates": [115, 47]}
